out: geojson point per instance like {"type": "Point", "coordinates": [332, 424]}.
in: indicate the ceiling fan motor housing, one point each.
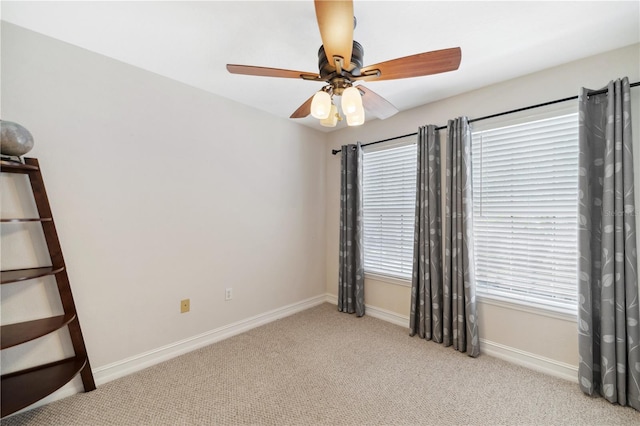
{"type": "Point", "coordinates": [326, 69]}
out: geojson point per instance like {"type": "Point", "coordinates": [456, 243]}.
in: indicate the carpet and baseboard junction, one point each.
{"type": "Point", "coordinates": [307, 364]}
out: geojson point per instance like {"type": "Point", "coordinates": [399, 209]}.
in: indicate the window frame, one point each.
{"type": "Point", "coordinates": [376, 274]}
{"type": "Point", "coordinates": [523, 117]}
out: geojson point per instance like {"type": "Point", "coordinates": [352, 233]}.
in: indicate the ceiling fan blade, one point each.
{"type": "Point", "coordinates": [271, 72]}
{"type": "Point", "coordinates": [335, 20]}
{"type": "Point", "coordinates": [376, 104]}
{"type": "Point", "coordinates": [304, 109]}
{"type": "Point", "coordinates": [426, 63]}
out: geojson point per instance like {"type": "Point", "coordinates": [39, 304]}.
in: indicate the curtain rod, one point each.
{"type": "Point", "coordinates": [591, 93]}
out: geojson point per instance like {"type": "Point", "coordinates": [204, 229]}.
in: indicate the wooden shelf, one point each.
{"type": "Point", "coordinates": [19, 220]}
{"type": "Point", "coordinates": [16, 275]}
{"type": "Point", "coordinates": [20, 389]}
{"type": "Point", "coordinates": [22, 332]}
{"type": "Point", "coordinates": [23, 388]}
{"type": "Point", "coordinates": [7, 166]}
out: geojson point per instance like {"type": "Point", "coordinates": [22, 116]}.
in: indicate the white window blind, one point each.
{"type": "Point", "coordinates": [525, 184]}
{"type": "Point", "coordinates": [389, 187]}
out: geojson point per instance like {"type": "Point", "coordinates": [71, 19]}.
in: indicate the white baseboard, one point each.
{"type": "Point", "coordinates": [141, 361]}
{"type": "Point", "coordinates": [115, 370]}
{"type": "Point", "coordinates": [529, 360]}
{"type": "Point", "coordinates": [331, 298]}
{"type": "Point", "coordinates": [383, 314]}
{"type": "Point", "coordinates": [507, 353]}
{"type": "Point", "coordinates": [372, 311]}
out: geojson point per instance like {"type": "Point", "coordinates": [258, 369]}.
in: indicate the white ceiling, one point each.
{"type": "Point", "coordinates": [192, 41]}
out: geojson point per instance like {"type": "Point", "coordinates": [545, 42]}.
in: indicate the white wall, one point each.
{"type": "Point", "coordinates": [160, 192]}
{"type": "Point", "coordinates": [550, 340]}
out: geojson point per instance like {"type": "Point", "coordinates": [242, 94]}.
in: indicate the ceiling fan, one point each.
{"type": "Point", "coordinates": [340, 63]}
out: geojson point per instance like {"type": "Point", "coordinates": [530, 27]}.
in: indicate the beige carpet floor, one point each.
{"type": "Point", "coordinates": [327, 368]}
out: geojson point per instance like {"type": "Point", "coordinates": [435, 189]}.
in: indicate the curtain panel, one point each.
{"type": "Point", "coordinates": [426, 280]}
{"type": "Point", "coordinates": [459, 304]}
{"type": "Point", "coordinates": [608, 313]}
{"type": "Point", "coordinates": [443, 301]}
{"type": "Point", "coordinates": [351, 264]}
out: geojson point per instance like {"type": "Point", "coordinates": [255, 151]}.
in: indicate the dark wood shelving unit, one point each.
{"type": "Point", "coordinates": [19, 389]}
{"type": "Point", "coordinates": [15, 275]}
{"type": "Point", "coordinates": [17, 167]}
{"type": "Point", "coordinates": [23, 332]}
{"type": "Point", "coordinates": [21, 220]}
{"type": "Point", "coordinates": [23, 388]}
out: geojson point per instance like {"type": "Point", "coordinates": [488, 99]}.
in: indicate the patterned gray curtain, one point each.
{"type": "Point", "coordinates": [426, 281]}
{"type": "Point", "coordinates": [608, 329]}
{"type": "Point", "coordinates": [460, 321]}
{"type": "Point", "coordinates": [351, 275]}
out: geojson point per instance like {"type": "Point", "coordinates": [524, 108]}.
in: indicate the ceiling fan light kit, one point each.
{"type": "Point", "coordinates": [332, 119]}
{"type": "Point", "coordinates": [356, 118]}
{"type": "Point", "coordinates": [323, 108]}
{"type": "Point", "coordinates": [351, 101]}
{"type": "Point", "coordinates": [321, 105]}
{"type": "Point", "coordinates": [340, 64]}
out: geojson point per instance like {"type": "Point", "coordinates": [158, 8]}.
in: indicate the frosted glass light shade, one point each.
{"type": "Point", "coordinates": [351, 101]}
{"type": "Point", "coordinates": [357, 118]}
{"type": "Point", "coordinates": [332, 119]}
{"type": "Point", "coordinates": [321, 105]}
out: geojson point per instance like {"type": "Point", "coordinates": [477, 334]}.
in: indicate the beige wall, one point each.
{"type": "Point", "coordinates": [160, 192]}
{"type": "Point", "coordinates": [553, 337]}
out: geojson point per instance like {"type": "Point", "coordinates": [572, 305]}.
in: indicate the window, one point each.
{"type": "Point", "coordinates": [389, 192]}
{"type": "Point", "coordinates": [525, 185]}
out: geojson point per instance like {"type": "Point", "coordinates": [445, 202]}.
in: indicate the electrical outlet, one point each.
{"type": "Point", "coordinates": [228, 293]}
{"type": "Point", "coordinates": [185, 306]}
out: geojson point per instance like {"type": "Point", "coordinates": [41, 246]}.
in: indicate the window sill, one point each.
{"type": "Point", "coordinates": [387, 279]}
{"type": "Point", "coordinates": [525, 308]}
